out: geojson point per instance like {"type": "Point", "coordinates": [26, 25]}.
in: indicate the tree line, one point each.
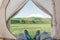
{"type": "Point", "coordinates": [31, 20]}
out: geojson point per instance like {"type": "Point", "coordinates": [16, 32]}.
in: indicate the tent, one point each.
{"type": "Point", "coordinates": [9, 8]}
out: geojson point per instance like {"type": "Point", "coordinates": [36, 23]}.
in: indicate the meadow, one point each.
{"type": "Point", "coordinates": [32, 28]}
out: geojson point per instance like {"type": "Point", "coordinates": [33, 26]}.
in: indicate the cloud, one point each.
{"type": "Point", "coordinates": [39, 15]}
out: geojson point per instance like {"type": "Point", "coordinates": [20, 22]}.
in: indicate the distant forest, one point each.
{"type": "Point", "coordinates": [31, 20]}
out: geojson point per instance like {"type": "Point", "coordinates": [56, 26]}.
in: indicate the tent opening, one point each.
{"type": "Point", "coordinates": [30, 18]}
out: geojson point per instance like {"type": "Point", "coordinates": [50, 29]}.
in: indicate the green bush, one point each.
{"type": "Point", "coordinates": [15, 21]}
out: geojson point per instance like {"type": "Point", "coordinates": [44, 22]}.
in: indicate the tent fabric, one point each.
{"type": "Point", "coordinates": [12, 10]}
{"type": "Point", "coordinates": [51, 7]}
{"type": "Point", "coordinates": [7, 9]}
{"type": "Point", "coordinates": [4, 33]}
{"type": "Point", "coordinates": [57, 16]}
{"type": "Point", "coordinates": [45, 5]}
{"type": "Point", "coordinates": [1, 2]}
{"type": "Point", "coordinates": [13, 7]}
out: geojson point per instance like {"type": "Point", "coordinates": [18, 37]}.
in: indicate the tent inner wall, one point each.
{"type": "Point", "coordinates": [4, 33]}
{"type": "Point", "coordinates": [4, 10]}
{"type": "Point", "coordinates": [57, 15]}
{"type": "Point", "coordinates": [51, 7]}
{"type": "Point", "coordinates": [46, 6]}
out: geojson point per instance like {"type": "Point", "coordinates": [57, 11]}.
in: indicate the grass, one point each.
{"type": "Point", "coordinates": [32, 28]}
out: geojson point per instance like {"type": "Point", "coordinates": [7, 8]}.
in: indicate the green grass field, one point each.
{"type": "Point", "coordinates": [32, 28]}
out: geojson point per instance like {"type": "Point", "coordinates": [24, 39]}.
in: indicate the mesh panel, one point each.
{"type": "Point", "coordinates": [13, 6]}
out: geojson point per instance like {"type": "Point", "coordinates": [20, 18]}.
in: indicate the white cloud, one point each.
{"type": "Point", "coordinates": [39, 15]}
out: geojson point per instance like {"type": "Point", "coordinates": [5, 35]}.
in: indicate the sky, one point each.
{"type": "Point", "coordinates": [31, 10]}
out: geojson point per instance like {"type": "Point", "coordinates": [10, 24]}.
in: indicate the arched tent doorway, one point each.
{"type": "Point", "coordinates": [44, 8]}
{"type": "Point", "coordinates": [46, 11]}
{"type": "Point", "coordinates": [12, 12]}
{"type": "Point", "coordinates": [29, 13]}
